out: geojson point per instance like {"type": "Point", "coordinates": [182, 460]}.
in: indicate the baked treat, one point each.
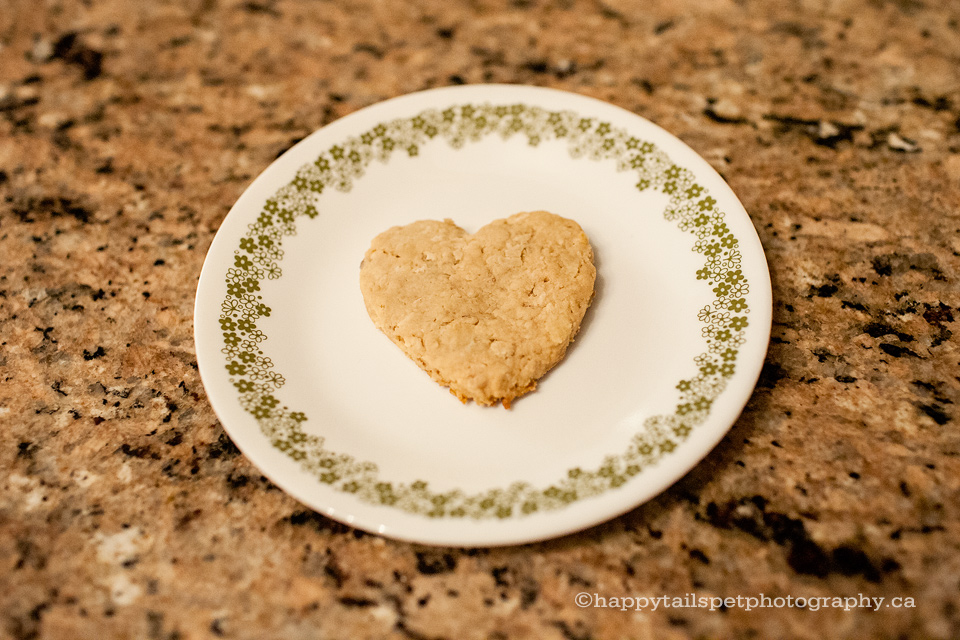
{"type": "Point", "coordinates": [485, 314]}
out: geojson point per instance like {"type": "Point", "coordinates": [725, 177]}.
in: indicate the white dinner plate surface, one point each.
{"type": "Point", "coordinates": [331, 411]}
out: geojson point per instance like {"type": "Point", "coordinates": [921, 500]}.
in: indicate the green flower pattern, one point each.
{"type": "Point", "coordinates": [260, 253]}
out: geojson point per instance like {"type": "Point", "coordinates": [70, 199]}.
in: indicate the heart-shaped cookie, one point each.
{"type": "Point", "coordinates": [485, 314]}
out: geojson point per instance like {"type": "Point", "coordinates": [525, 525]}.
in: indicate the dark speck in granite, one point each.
{"type": "Point", "coordinates": [128, 130]}
{"type": "Point", "coordinates": [432, 562]}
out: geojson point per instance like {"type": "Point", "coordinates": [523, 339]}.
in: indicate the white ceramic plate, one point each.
{"type": "Point", "coordinates": [331, 411]}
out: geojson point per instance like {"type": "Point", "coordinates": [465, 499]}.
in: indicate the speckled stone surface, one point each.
{"type": "Point", "coordinates": [128, 129]}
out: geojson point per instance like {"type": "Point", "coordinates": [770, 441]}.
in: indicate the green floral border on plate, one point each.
{"type": "Point", "coordinates": [260, 251]}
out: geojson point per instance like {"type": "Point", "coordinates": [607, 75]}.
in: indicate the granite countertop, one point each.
{"type": "Point", "coordinates": [128, 129]}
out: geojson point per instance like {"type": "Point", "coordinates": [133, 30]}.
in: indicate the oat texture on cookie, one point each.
{"type": "Point", "coordinates": [485, 314]}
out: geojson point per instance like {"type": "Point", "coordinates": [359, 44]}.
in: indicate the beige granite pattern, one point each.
{"type": "Point", "coordinates": [128, 129]}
